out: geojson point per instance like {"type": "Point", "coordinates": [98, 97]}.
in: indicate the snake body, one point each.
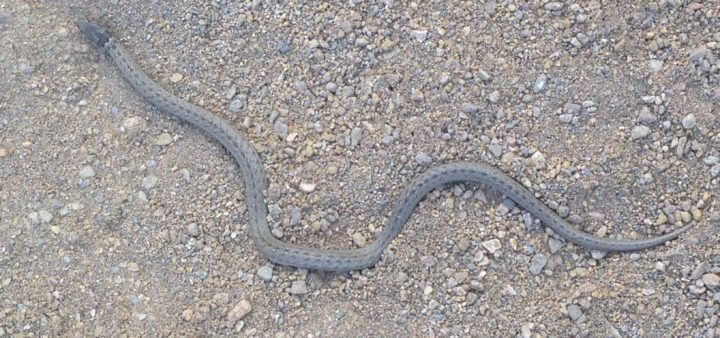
{"type": "Point", "coordinates": [290, 254]}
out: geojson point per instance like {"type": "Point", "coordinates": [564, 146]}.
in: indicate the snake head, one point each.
{"type": "Point", "coordinates": [93, 32]}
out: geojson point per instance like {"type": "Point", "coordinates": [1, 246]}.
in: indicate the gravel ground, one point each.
{"type": "Point", "coordinates": [117, 220]}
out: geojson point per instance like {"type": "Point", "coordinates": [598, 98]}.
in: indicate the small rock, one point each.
{"type": "Point", "coordinates": [193, 229]}
{"type": "Point", "coordinates": [417, 95]}
{"type": "Point", "coordinates": [646, 117]}
{"type": "Point", "coordinates": [484, 76]}
{"type": "Point", "coordinates": [265, 273]}
{"type": "Point", "coordinates": [537, 264]}
{"type": "Point", "coordinates": [555, 245]}
{"type": "Point", "coordinates": [131, 122]}
{"type": "Point", "coordinates": [149, 182]}
{"type": "Point", "coordinates": [540, 83]}
{"type": "Point", "coordinates": [235, 105]}
{"type": "Point", "coordinates": [710, 160]}
{"type": "Point", "coordinates": [355, 136]}
{"type": "Point", "coordinates": [648, 99]}
{"type": "Point", "coordinates": [187, 315]}
{"type": "Point", "coordinates": [295, 215]}
{"type": "Point", "coordinates": [538, 159]}
{"type": "Point", "coordinates": [133, 267]}
{"type": "Point", "coordinates": [656, 65]}
{"type": "Point", "coordinates": [699, 271]}
{"type": "Point", "coordinates": [359, 239]}
{"type": "Point", "coordinates": [283, 47]}
{"type": "Point", "coordinates": [361, 42]}
{"type": "Point", "coordinates": [420, 35]}
{"type": "Point", "coordinates": [280, 128]}
{"type": "Point", "coordinates": [300, 86]}
{"type": "Point", "coordinates": [639, 132]}
{"type": "Point", "coordinates": [469, 108]}
{"type": "Point", "coordinates": [45, 216]}
{"type": "Point", "coordinates": [240, 310]}
{"type": "Point", "coordinates": [711, 280]}
{"type": "Point", "coordinates": [554, 6]}
{"type": "Point", "coordinates": [494, 97]}
{"type": "Point", "coordinates": [492, 245]}
{"type": "Point", "coordinates": [164, 139]}
{"type": "Point", "coordinates": [87, 172]}
{"type": "Point", "coordinates": [422, 158]}
{"type": "Point", "coordinates": [574, 312]}
{"type": "Point", "coordinates": [3, 152]}
{"type": "Point", "coordinates": [688, 121]}
{"type": "Point", "coordinates": [176, 77]}
{"type": "Point", "coordinates": [307, 187]}
{"type": "Point", "coordinates": [298, 287]}
{"type": "Point", "coordinates": [565, 118]}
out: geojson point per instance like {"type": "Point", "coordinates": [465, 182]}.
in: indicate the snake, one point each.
{"type": "Point", "coordinates": [343, 260]}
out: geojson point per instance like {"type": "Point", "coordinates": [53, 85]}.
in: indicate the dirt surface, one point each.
{"type": "Point", "coordinates": [116, 220]}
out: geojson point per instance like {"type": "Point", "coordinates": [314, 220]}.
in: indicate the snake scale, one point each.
{"type": "Point", "coordinates": [290, 254]}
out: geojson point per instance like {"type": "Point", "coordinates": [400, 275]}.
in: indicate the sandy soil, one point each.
{"type": "Point", "coordinates": [116, 220]}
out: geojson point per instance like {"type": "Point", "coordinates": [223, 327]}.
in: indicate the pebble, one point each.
{"type": "Point", "coordinates": [193, 229]}
{"type": "Point", "coordinates": [176, 77]}
{"type": "Point", "coordinates": [494, 97]}
{"type": "Point", "coordinates": [87, 172]}
{"type": "Point", "coordinates": [149, 182]}
{"type": "Point", "coordinates": [34, 217]}
{"type": "Point", "coordinates": [554, 6]}
{"type": "Point", "coordinates": [235, 105]}
{"type": "Point", "coordinates": [495, 149]}
{"type": "Point", "coordinates": [280, 128]}
{"type": "Point", "coordinates": [307, 187]}
{"type": "Point", "coordinates": [422, 158]}
{"type": "Point", "coordinates": [565, 118]}
{"type": "Point", "coordinates": [492, 245]}
{"type": "Point", "coordinates": [639, 132]}
{"type": "Point", "coordinates": [417, 95]}
{"type": "Point", "coordinates": [361, 42]}
{"type": "Point", "coordinates": [3, 152]}
{"type": "Point", "coordinates": [484, 75]}
{"type": "Point", "coordinates": [710, 160]}
{"type": "Point", "coordinates": [699, 270]}
{"type": "Point", "coordinates": [355, 137]}
{"type": "Point", "coordinates": [469, 108]}
{"type": "Point", "coordinates": [298, 287]}
{"type": "Point", "coordinates": [538, 159]}
{"type": "Point", "coordinates": [537, 264]}
{"type": "Point", "coordinates": [359, 239]}
{"type": "Point", "coordinates": [133, 267]}
{"type": "Point", "coordinates": [555, 245]}
{"type": "Point", "coordinates": [45, 216]}
{"type": "Point", "coordinates": [240, 310]}
{"type": "Point", "coordinates": [283, 47]}
{"type": "Point", "coordinates": [295, 215]}
{"type": "Point", "coordinates": [646, 117]}
{"type": "Point", "coordinates": [265, 273]}
{"type": "Point", "coordinates": [689, 121]}
{"type": "Point", "coordinates": [164, 139]}
{"type": "Point", "coordinates": [574, 312]}
{"type": "Point", "coordinates": [656, 65]}
{"type": "Point", "coordinates": [539, 84]}
{"type": "Point", "coordinates": [648, 99]}
{"type": "Point", "coordinates": [187, 315]}
{"type": "Point", "coordinates": [715, 170]}
{"type": "Point", "coordinates": [711, 280]}
{"type": "Point", "coordinates": [420, 35]}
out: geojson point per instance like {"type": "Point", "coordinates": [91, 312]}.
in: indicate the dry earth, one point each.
{"type": "Point", "coordinates": [116, 220]}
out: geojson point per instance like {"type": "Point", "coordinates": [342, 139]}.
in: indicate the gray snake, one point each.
{"type": "Point", "coordinates": [290, 254]}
